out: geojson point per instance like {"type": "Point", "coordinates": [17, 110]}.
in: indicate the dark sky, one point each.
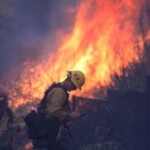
{"type": "Point", "coordinates": [27, 29]}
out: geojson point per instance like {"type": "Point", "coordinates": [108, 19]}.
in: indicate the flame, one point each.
{"type": "Point", "coordinates": [105, 37]}
{"type": "Point", "coordinates": [28, 146]}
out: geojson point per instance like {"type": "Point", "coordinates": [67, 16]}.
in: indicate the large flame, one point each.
{"type": "Point", "coordinates": [105, 37]}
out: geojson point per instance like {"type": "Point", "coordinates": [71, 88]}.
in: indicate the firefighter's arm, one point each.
{"type": "Point", "coordinates": [18, 122]}
{"type": "Point", "coordinates": [56, 100]}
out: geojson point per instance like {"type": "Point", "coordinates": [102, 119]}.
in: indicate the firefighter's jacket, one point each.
{"type": "Point", "coordinates": [6, 132]}
{"type": "Point", "coordinates": [57, 104]}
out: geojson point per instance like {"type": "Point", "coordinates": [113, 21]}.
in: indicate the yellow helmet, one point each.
{"type": "Point", "coordinates": [77, 77]}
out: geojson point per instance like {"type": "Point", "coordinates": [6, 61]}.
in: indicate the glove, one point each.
{"type": "Point", "coordinates": [74, 115]}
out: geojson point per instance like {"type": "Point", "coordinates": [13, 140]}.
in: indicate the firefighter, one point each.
{"type": "Point", "coordinates": [57, 108]}
{"type": "Point", "coordinates": [9, 122]}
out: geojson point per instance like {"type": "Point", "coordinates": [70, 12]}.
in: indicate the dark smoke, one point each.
{"type": "Point", "coordinates": [27, 31]}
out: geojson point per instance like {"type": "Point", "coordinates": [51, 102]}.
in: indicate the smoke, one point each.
{"type": "Point", "coordinates": [28, 31]}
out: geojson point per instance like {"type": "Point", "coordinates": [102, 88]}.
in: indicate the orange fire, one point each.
{"type": "Point", "coordinates": [105, 37]}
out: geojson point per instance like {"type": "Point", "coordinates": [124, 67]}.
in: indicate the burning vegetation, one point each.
{"type": "Point", "coordinates": [106, 36]}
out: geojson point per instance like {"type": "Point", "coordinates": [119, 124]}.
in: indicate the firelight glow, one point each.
{"type": "Point", "coordinates": [102, 41]}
